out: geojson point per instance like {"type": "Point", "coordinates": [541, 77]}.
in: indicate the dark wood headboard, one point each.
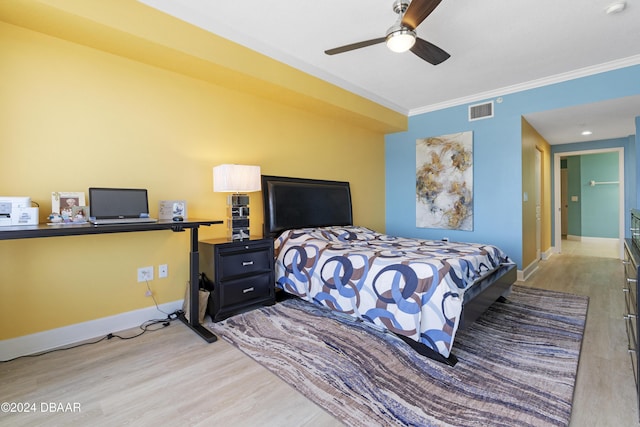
{"type": "Point", "coordinates": [298, 202]}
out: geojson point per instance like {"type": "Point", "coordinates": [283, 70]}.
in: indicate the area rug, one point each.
{"type": "Point", "coordinates": [517, 363]}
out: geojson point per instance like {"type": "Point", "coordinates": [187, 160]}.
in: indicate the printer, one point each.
{"type": "Point", "coordinates": [17, 211]}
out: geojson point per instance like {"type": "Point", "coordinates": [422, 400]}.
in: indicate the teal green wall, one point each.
{"type": "Point", "coordinates": [600, 203]}
{"type": "Point", "coordinates": [628, 145]}
{"type": "Point", "coordinates": [596, 212]}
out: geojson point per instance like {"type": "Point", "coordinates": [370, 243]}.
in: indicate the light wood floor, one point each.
{"type": "Point", "coordinates": [605, 248]}
{"type": "Point", "coordinates": [172, 377]}
{"type": "Point", "coordinates": [605, 389]}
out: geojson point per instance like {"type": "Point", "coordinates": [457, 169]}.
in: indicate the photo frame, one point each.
{"type": "Point", "coordinates": [62, 202]}
{"type": "Point", "coordinates": [80, 214]}
{"type": "Point", "coordinates": [168, 209]}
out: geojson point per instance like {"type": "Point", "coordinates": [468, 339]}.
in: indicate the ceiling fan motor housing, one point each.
{"type": "Point", "coordinates": [399, 37]}
{"type": "Point", "coordinates": [400, 6]}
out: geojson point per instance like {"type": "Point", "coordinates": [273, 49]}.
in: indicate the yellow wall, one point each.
{"type": "Point", "coordinates": [72, 117]}
{"type": "Point", "coordinates": [532, 141]}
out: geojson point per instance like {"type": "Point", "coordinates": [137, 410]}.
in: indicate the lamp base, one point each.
{"type": "Point", "coordinates": [238, 205]}
{"type": "Point", "coordinates": [239, 235]}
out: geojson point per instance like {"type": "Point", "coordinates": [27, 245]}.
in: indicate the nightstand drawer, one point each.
{"type": "Point", "coordinates": [248, 261]}
{"type": "Point", "coordinates": [242, 272]}
{"type": "Point", "coordinates": [245, 290]}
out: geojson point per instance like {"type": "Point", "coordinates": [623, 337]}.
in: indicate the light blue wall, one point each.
{"type": "Point", "coordinates": [497, 144]}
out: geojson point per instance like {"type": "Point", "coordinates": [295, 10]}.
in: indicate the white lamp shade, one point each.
{"type": "Point", "coordinates": [236, 178]}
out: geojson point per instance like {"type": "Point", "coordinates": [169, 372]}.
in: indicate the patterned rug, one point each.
{"type": "Point", "coordinates": [516, 365]}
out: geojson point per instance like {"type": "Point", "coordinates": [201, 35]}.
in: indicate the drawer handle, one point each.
{"type": "Point", "coordinates": [625, 289]}
{"type": "Point", "coordinates": [245, 263]}
{"type": "Point", "coordinates": [630, 316]}
{"type": "Point", "coordinates": [631, 280]}
{"type": "Point", "coordinates": [625, 262]}
{"type": "Point", "coordinates": [631, 350]}
{"type": "Point", "coordinates": [251, 289]}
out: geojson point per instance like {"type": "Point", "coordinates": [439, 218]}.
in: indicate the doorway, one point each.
{"type": "Point", "coordinates": [559, 204]}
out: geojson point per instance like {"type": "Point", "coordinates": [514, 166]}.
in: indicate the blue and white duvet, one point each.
{"type": "Point", "coordinates": [411, 287]}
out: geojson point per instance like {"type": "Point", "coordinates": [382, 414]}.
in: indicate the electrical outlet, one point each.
{"type": "Point", "coordinates": [163, 271]}
{"type": "Point", "coordinates": [145, 274]}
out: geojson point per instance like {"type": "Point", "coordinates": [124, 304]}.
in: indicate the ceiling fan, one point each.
{"type": "Point", "coordinates": [402, 35]}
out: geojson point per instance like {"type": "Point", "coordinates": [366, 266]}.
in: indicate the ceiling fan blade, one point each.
{"type": "Point", "coordinates": [353, 46]}
{"type": "Point", "coordinates": [429, 52]}
{"type": "Point", "coordinates": [417, 12]}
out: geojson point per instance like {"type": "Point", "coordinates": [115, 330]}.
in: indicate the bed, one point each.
{"type": "Point", "coordinates": [421, 290]}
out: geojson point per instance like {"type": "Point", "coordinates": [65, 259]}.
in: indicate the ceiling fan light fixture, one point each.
{"type": "Point", "coordinates": [401, 40]}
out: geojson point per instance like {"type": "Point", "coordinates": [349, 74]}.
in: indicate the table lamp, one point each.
{"type": "Point", "coordinates": [239, 180]}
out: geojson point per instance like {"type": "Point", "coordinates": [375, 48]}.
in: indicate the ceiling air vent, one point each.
{"type": "Point", "coordinates": [480, 111]}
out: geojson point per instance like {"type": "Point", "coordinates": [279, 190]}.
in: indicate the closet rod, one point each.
{"type": "Point", "coordinates": [594, 183]}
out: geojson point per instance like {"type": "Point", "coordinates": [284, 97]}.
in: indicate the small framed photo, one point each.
{"type": "Point", "coordinates": [80, 214]}
{"type": "Point", "coordinates": [168, 209]}
{"type": "Point", "coordinates": [63, 202]}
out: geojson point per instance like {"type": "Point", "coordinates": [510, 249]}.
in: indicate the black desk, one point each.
{"type": "Point", "coordinates": [43, 230]}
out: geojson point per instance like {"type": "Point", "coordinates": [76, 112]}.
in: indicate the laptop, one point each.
{"type": "Point", "coordinates": [119, 206]}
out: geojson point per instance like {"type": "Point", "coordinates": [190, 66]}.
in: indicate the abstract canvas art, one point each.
{"type": "Point", "coordinates": [444, 182]}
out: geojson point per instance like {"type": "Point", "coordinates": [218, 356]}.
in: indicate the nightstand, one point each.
{"type": "Point", "coordinates": [242, 272]}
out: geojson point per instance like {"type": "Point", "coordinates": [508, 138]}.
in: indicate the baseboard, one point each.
{"type": "Point", "coordinates": [67, 335]}
{"type": "Point", "coordinates": [593, 239]}
{"type": "Point", "coordinates": [600, 239]}
{"type": "Point", "coordinates": [547, 254]}
{"type": "Point", "coordinates": [524, 274]}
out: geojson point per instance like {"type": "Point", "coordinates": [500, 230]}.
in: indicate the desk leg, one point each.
{"type": "Point", "coordinates": [194, 272]}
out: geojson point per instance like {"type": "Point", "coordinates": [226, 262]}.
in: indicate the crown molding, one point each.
{"type": "Point", "coordinates": [533, 84]}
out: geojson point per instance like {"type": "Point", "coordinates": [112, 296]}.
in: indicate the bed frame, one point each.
{"type": "Point", "coordinates": [298, 203]}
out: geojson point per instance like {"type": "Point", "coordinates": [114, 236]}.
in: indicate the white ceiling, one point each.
{"type": "Point", "coordinates": [497, 47]}
{"type": "Point", "coordinates": [607, 120]}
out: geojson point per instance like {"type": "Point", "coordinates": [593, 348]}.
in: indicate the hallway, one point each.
{"type": "Point", "coordinates": [606, 248]}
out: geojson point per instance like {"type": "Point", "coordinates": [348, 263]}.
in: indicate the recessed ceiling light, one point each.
{"type": "Point", "coordinates": [586, 132]}
{"type": "Point", "coordinates": [616, 7]}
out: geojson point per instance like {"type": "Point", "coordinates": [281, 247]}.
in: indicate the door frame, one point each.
{"type": "Point", "coordinates": [556, 194]}
{"type": "Point", "coordinates": [564, 202]}
{"type": "Point", "coordinates": [538, 201]}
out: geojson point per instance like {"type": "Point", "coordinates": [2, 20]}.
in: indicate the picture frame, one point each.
{"type": "Point", "coordinates": [62, 202]}
{"type": "Point", "coordinates": [168, 209]}
{"type": "Point", "coordinates": [80, 214]}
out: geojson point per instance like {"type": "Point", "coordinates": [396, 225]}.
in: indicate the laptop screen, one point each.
{"type": "Point", "coordinates": [108, 203]}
